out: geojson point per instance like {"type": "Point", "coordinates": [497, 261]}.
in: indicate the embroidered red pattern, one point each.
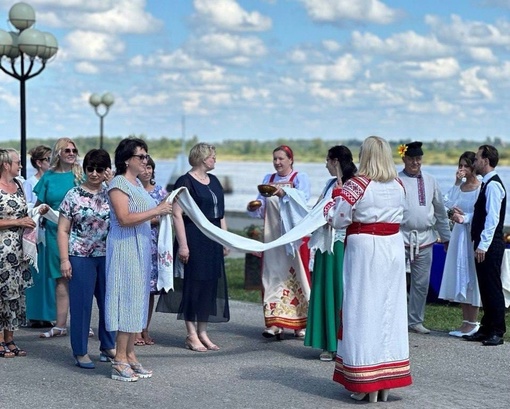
{"type": "Point", "coordinates": [354, 189]}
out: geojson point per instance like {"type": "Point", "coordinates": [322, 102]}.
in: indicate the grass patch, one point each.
{"type": "Point", "coordinates": [235, 278]}
{"type": "Point", "coordinates": [438, 317]}
{"type": "Point", "coordinates": [447, 317]}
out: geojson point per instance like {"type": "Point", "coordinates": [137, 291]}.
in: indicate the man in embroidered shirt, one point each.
{"type": "Point", "coordinates": [424, 219]}
{"type": "Point", "coordinates": [487, 222]}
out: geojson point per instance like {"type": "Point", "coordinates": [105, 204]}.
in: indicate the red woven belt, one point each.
{"type": "Point", "coordinates": [377, 229]}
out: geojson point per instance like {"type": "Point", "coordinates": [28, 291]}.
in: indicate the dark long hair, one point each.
{"type": "Point", "coordinates": [344, 156]}
{"type": "Point", "coordinates": [469, 157]}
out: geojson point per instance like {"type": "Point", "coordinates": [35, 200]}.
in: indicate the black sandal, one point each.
{"type": "Point", "coordinates": [5, 352]}
{"type": "Point", "coordinates": [16, 351]}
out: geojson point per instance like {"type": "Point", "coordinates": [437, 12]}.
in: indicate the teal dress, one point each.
{"type": "Point", "coordinates": [51, 189]}
{"type": "Point", "coordinates": [40, 298]}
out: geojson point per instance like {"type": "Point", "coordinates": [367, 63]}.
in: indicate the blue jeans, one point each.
{"type": "Point", "coordinates": [88, 280]}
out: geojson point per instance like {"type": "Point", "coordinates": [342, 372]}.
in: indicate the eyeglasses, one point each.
{"type": "Point", "coordinates": [91, 169]}
{"type": "Point", "coordinates": [67, 150]}
{"type": "Point", "coordinates": [142, 157]}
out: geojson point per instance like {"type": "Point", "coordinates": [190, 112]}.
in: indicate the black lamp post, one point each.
{"type": "Point", "coordinates": [22, 49]}
{"type": "Point", "coordinates": [97, 102]}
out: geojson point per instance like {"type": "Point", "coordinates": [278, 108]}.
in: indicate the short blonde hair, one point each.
{"type": "Point", "coordinates": [5, 157]}
{"type": "Point", "coordinates": [55, 159]}
{"type": "Point", "coordinates": [376, 160]}
{"type": "Point", "coordinates": [200, 152]}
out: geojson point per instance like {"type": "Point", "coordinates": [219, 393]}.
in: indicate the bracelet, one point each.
{"type": "Point", "coordinates": [65, 261]}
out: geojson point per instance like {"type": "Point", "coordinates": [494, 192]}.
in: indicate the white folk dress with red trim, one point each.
{"type": "Point", "coordinates": [284, 277]}
{"type": "Point", "coordinates": [373, 350]}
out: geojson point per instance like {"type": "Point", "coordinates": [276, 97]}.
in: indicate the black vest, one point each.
{"type": "Point", "coordinates": [480, 214]}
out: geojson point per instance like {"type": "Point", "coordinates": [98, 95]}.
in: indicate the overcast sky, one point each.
{"type": "Point", "coordinates": [267, 69]}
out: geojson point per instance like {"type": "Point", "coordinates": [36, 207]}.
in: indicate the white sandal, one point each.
{"type": "Point", "coordinates": [54, 332]}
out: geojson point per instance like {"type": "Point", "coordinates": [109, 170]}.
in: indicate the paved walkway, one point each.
{"type": "Point", "coordinates": [248, 372]}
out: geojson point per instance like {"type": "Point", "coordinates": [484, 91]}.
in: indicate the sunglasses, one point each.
{"type": "Point", "coordinates": [91, 169]}
{"type": "Point", "coordinates": [46, 159]}
{"type": "Point", "coordinates": [67, 150]}
{"type": "Point", "coordinates": [142, 157]}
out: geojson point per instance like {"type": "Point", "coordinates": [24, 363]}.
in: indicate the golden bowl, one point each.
{"type": "Point", "coordinates": [254, 205]}
{"type": "Point", "coordinates": [267, 190]}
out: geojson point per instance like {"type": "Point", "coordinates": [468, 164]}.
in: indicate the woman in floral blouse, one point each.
{"type": "Point", "coordinates": [82, 230]}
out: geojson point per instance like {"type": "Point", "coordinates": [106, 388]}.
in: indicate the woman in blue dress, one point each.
{"type": "Point", "coordinates": [200, 297]}
{"type": "Point", "coordinates": [128, 256]}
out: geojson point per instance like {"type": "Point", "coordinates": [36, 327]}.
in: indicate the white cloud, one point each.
{"type": "Point", "coordinates": [331, 45]}
{"type": "Point", "coordinates": [89, 45]}
{"type": "Point", "coordinates": [230, 48]}
{"type": "Point", "coordinates": [470, 33]}
{"type": "Point", "coordinates": [219, 99]}
{"type": "Point", "coordinates": [192, 103]}
{"type": "Point", "coordinates": [109, 16]}
{"type": "Point", "coordinates": [149, 100]}
{"type": "Point", "coordinates": [319, 91]}
{"type": "Point", "coordinates": [400, 45]}
{"type": "Point", "coordinates": [229, 15]}
{"type": "Point", "coordinates": [85, 67]}
{"type": "Point", "coordinates": [441, 68]}
{"type": "Point", "coordinates": [297, 56]}
{"type": "Point", "coordinates": [498, 72]}
{"type": "Point", "coordinates": [481, 54]}
{"type": "Point", "coordinates": [177, 60]}
{"type": "Point", "coordinates": [249, 93]}
{"type": "Point", "coordinates": [341, 11]}
{"type": "Point", "coordinates": [433, 107]}
{"type": "Point", "coordinates": [344, 68]}
{"type": "Point", "coordinates": [213, 75]}
{"type": "Point", "coordinates": [472, 85]}
{"type": "Point", "coordinates": [9, 99]}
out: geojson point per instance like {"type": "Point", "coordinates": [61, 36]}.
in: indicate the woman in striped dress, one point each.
{"type": "Point", "coordinates": [128, 256]}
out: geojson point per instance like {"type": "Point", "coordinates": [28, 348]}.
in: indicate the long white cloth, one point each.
{"type": "Point", "coordinates": [309, 223]}
{"type": "Point", "coordinates": [32, 237]}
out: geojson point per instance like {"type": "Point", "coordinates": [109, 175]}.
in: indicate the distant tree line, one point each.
{"type": "Point", "coordinates": [305, 150]}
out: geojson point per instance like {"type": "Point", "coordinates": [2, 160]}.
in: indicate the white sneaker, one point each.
{"type": "Point", "coordinates": [419, 329]}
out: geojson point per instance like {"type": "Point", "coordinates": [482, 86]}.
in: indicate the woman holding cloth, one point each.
{"type": "Point", "coordinates": [326, 294]}
{"type": "Point", "coordinates": [15, 276]}
{"type": "Point", "coordinates": [41, 307]}
{"type": "Point", "coordinates": [128, 256]}
{"type": "Point", "coordinates": [286, 288]}
{"type": "Point", "coordinates": [201, 296]}
{"type": "Point", "coordinates": [373, 350]}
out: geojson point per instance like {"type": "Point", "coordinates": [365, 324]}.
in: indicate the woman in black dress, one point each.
{"type": "Point", "coordinates": [201, 296]}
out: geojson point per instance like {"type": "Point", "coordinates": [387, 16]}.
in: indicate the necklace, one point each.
{"type": "Point", "coordinates": [202, 178]}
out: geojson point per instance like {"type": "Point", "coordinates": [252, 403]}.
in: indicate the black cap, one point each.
{"type": "Point", "coordinates": [414, 149]}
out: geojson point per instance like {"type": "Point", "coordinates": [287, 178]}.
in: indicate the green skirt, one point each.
{"type": "Point", "coordinates": [325, 299]}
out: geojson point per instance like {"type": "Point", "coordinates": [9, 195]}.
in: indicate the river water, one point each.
{"type": "Point", "coordinates": [245, 176]}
